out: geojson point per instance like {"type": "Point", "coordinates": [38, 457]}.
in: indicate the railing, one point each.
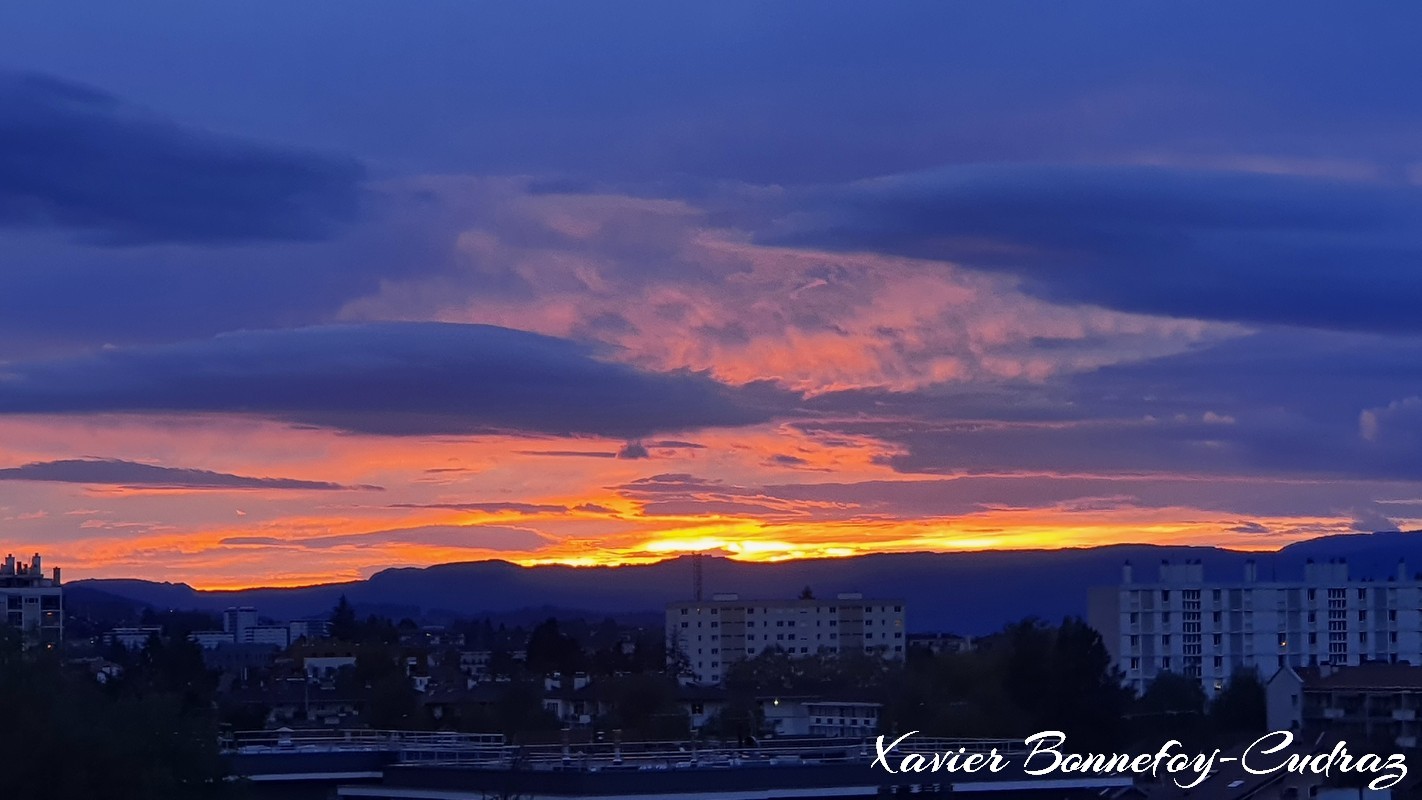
{"type": "Point", "coordinates": [494, 752]}
{"type": "Point", "coordinates": [354, 739]}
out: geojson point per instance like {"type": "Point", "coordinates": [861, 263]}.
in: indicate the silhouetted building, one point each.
{"type": "Point", "coordinates": [34, 604]}
{"type": "Point", "coordinates": [713, 634]}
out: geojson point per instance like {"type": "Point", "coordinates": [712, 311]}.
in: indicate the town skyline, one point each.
{"type": "Point", "coordinates": [291, 298]}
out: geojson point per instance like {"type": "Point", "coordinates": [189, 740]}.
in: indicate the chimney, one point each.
{"type": "Point", "coordinates": [35, 565]}
{"type": "Point", "coordinates": [1127, 573]}
{"type": "Point", "coordinates": [1251, 571]}
{"type": "Point", "coordinates": [1402, 569]}
{"type": "Point", "coordinates": [56, 576]}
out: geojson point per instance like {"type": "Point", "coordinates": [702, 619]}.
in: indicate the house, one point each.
{"type": "Point", "coordinates": [448, 704]}
{"type": "Point", "coordinates": [701, 703]}
{"type": "Point", "coordinates": [1368, 702]}
{"type": "Point", "coordinates": [298, 702]}
{"type": "Point", "coordinates": [574, 700]}
{"type": "Point", "coordinates": [815, 716]}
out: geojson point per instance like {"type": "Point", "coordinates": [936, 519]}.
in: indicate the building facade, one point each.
{"type": "Point", "coordinates": [711, 635]}
{"type": "Point", "coordinates": [236, 621]}
{"type": "Point", "coordinates": [34, 604]}
{"type": "Point", "coordinates": [1207, 630]}
{"type": "Point", "coordinates": [1370, 703]}
{"type": "Point", "coordinates": [133, 638]}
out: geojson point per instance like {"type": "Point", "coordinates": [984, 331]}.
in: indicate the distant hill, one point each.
{"type": "Point", "coordinates": [972, 593]}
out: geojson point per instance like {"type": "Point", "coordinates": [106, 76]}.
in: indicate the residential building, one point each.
{"type": "Point", "coordinates": [939, 643]}
{"type": "Point", "coordinates": [708, 636]}
{"type": "Point", "coordinates": [133, 638]}
{"type": "Point", "coordinates": [1371, 702]}
{"type": "Point", "coordinates": [240, 659]}
{"type": "Point", "coordinates": [813, 716]}
{"type": "Point", "coordinates": [237, 620]}
{"type": "Point", "coordinates": [309, 629]}
{"type": "Point", "coordinates": [475, 663]}
{"type": "Point", "coordinates": [34, 604]}
{"type": "Point", "coordinates": [1208, 629]}
{"type": "Point", "coordinates": [279, 635]}
{"type": "Point", "coordinates": [209, 640]}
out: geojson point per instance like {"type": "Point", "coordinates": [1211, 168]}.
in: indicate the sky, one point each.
{"type": "Point", "coordinates": [292, 293]}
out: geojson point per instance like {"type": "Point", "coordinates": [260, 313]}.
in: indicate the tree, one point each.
{"type": "Point", "coordinates": [344, 626]}
{"type": "Point", "coordinates": [1240, 706]}
{"type": "Point", "coordinates": [130, 738]}
{"type": "Point", "coordinates": [550, 650]}
{"type": "Point", "coordinates": [1088, 698]}
{"type": "Point", "coordinates": [807, 594]}
{"type": "Point", "coordinates": [1172, 707]}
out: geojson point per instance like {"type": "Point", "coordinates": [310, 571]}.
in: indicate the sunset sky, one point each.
{"type": "Point", "coordinates": [296, 291]}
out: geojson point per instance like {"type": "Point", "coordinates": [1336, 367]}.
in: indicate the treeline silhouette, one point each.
{"type": "Point", "coordinates": [148, 734]}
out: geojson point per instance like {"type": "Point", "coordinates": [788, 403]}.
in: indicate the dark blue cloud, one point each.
{"type": "Point", "coordinates": [737, 89]}
{"type": "Point", "coordinates": [386, 378]}
{"type": "Point", "coordinates": [130, 474]}
{"type": "Point", "coordinates": [1230, 246]}
{"type": "Point", "coordinates": [1280, 403]}
{"type": "Point", "coordinates": [74, 157]}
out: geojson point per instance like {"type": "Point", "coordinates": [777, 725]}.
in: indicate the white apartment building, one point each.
{"type": "Point", "coordinates": [1185, 624]}
{"type": "Point", "coordinates": [713, 634]}
{"type": "Point", "coordinates": [34, 604]}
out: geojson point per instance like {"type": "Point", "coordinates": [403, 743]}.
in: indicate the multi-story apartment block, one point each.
{"type": "Point", "coordinates": [1208, 629]}
{"type": "Point", "coordinates": [34, 604]}
{"type": "Point", "coordinates": [711, 635]}
{"type": "Point", "coordinates": [1366, 703]}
